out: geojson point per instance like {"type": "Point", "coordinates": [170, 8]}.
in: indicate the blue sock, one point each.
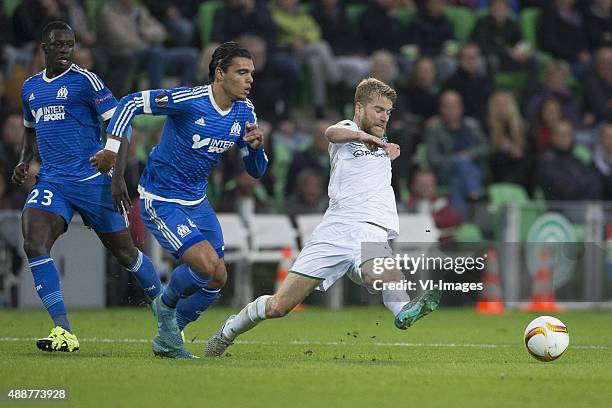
{"type": "Point", "coordinates": [47, 284]}
{"type": "Point", "coordinates": [183, 283]}
{"type": "Point", "coordinates": [188, 310]}
{"type": "Point", "coordinates": [145, 275]}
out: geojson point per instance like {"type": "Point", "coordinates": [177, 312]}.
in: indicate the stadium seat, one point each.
{"type": "Point", "coordinates": [353, 12]}
{"type": "Point", "coordinates": [206, 16]}
{"type": "Point", "coordinates": [528, 21]}
{"type": "Point", "coordinates": [417, 228]}
{"type": "Point", "coordinates": [92, 8]}
{"type": "Point", "coordinates": [269, 235]}
{"type": "Point", "coordinates": [468, 233]}
{"type": "Point", "coordinates": [512, 81]}
{"type": "Point", "coordinates": [306, 224]}
{"type": "Point", "coordinates": [506, 193]}
{"type": "Point", "coordinates": [10, 6]}
{"type": "Point", "coordinates": [462, 19]}
{"type": "Point", "coordinates": [235, 236]}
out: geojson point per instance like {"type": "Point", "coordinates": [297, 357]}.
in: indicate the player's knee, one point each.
{"type": "Point", "coordinates": [34, 248]}
{"type": "Point", "coordinates": [125, 256]}
{"type": "Point", "coordinates": [219, 278]}
{"type": "Point", "coordinates": [277, 308]}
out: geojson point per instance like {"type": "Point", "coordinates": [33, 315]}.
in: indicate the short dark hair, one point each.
{"type": "Point", "coordinates": [223, 56]}
{"type": "Point", "coordinates": [55, 25]}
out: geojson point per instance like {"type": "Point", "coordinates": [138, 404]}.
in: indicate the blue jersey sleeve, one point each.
{"type": "Point", "coordinates": [169, 102]}
{"type": "Point", "coordinates": [255, 160]}
{"type": "Point", "coordinates": [28, 119]}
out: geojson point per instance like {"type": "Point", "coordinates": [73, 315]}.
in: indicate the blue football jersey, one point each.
{"type": "Point", "coordinates": [65, 111]}
{"type": "Point", "coordinates": [195, 134]}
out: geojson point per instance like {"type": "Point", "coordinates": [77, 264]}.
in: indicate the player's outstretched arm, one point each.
{"type": "Point", "coordinates": [253, 154]}
{"type": "Point", "coordinates": [20, 173]}
{"type": "Point", "coordinates": [343, 134]}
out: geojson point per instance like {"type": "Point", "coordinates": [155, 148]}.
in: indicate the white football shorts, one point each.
{"type": "Point", "coordinates": [335, 249]}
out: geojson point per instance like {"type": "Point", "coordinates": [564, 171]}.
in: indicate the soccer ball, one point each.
{"type": "Point", "coordinates": [546, 338]}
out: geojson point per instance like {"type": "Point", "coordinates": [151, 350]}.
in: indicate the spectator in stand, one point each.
{"type": "Point", "coordinates": [424, 200]}
{"type": "Point", "coordinates": [384, 67]}
{"type": "Point", "coordinates": [598, 86]}
{"type": "Point", "coordinates": [12, 137]}
{"type": "Point", "coordinates": [561, 175]}
{"type": "Point", "coordinates": [240, 17]}
{"type": "Point", "coordinates": [380, 29]}
{"type": "Point", "coordinates": [434, 35]}
{"type": "Point", "coordinates": [602, 159]}
{"type": "Point", "coordinates": [541, 128]}
{"type": "Point", "coordinates": [457, 151]}
{"type": "Point", "coordinates": [472, 83]}
{"type": "Point", "coordinates": [509, 160]}
{"type": "Point", "coordinates": [83, 57]}
{"type": "Point", "coordinates": [288, 135]}
{"type": "Point", "coordinates": [420, 96]}
{"type": "Point", "coordinates": [561, 32]}
{"type": "Point", "coordinates": [331, 17]}
{"type": "Point", "coordinates": [5, 107]}
{"type": "Point", "coordinates": [245, 196]}
{"type": "Point", "coordinates": [301, 36]}
{"type": "Point", "coordinates": [500, 40]}
{"type": "Point", "coordinates": [598, 24]}
{"type": "Point", "coordinates": [557, 77]}
{"type": "Point", "coordinates": [253, 18]}
{"type": "Point", "coordinates": [134, 39]}
{"type": "Point", "coordinates": [315, 158]}
{"type": "Point", "coordinates": [267, 92]}
{"type": "Point", "coordinates": [178, 17]}
{"type": "Point", "coordinates": [309, 196]}
{"type": "Point", "coordinates": [29, 18]}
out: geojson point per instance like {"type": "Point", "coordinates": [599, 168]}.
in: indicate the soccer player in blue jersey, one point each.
{"type": "Point", "coordinates": [62, 109]}
{"type": "Point", "coordinates": [202, 123]}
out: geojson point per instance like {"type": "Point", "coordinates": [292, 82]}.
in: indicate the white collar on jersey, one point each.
{"type": "Point", "coordinates": [47, 79]}
{"type": "Point", "coordinates": [214, 104]}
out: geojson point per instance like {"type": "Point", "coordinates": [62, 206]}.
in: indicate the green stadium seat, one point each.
{"type": "Point", "coordinates": [206, 17]}
{"type": "Point", "coordinates": [512, 81]}
{"type": "Point", "coordinates": [528, 21]}
{"type": "Point", "coordinates": [462, 19]}
{"type": "Point", "coordinates": [92, 8]}
{"type": "Point", "coordinates": [353, 12]}
{"type": "Point", "coordinates": [10, 6]}
{"type": "Point", "coordinates": [507, 193]}
{"type": "Point", "coordinates": [468, 233]}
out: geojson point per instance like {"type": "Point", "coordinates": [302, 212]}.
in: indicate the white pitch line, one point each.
{"type": "Point", "coordinates": [310, 343]}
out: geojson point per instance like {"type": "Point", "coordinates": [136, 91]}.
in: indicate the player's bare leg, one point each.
{"type": "Point", "coordinates": [40, 231]}
{"type": "Point", "coordinates": [292, 292]}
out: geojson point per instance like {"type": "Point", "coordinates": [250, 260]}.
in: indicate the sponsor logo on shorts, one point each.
{"type": "Point", "coordinates": [183, 230]}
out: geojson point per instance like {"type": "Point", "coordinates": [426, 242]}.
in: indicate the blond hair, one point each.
{"type": "Point", "coordinates": [501, 130]}
{"type": "Point", "coordinates": [371, 87]}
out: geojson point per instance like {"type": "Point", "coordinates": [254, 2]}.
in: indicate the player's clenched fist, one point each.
{"type": "Point", "coordinates": [253, 136]}
{"type": "Point", "coordinates": [103, 161]}
{"type": "Point", "coordinates": [20, 173]}
{"type": "Point", "coordinates": [393, 150]}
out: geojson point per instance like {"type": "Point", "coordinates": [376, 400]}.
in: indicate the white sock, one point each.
{"type": "Point", "coordinates": [247, 318]}
{"type": "Point", "coordinates": [394, 300]}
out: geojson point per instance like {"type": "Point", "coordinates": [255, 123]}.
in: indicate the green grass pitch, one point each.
{"type": "Point", "coordinates": [314, 358]}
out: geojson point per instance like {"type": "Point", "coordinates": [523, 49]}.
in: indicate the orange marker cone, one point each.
{"type": "Point", "coordinates": [283, 270]}
{"type": "Point", "coordinates": [490, 301]}
{"type": "Point", "coordinates": [543, 295]}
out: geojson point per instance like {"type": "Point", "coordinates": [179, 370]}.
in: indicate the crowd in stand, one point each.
{"type": "Point", "coordinates": [478, 107]}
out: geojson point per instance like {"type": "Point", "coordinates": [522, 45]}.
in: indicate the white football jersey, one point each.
{"type": "Point", "coordinates": [360, 185]}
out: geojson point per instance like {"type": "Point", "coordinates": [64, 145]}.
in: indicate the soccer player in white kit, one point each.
{"type": "Point", "coordinates": [361, 211]}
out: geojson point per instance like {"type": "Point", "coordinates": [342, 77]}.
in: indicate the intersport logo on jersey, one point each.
{"type": "Point", "coordinates": [214, 145]}
{"type": "Point", "coordinates": [49, 113]}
